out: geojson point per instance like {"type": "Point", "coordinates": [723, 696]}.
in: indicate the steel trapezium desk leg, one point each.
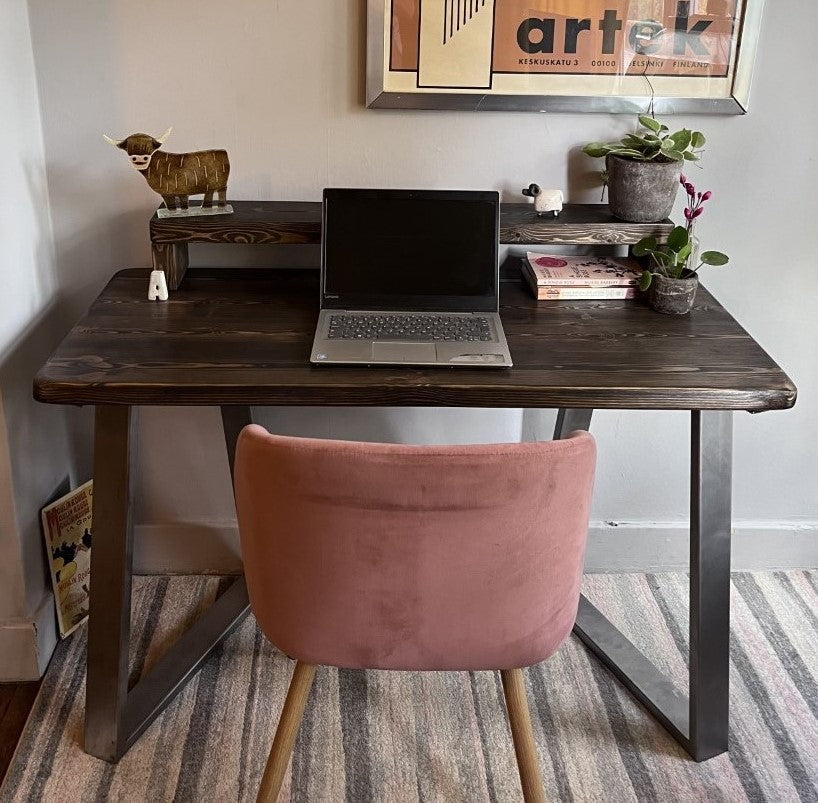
{"type": "Point", "coordinates": [115, 716]}
{"type": "Point", "coordinates": [701, 722]}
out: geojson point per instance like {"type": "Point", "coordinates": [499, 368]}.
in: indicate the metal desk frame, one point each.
{"type": "Point", "coordinates": [116, 716]}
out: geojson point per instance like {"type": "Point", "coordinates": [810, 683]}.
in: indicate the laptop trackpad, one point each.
{"type": "Point", "coordinates": [404, 352]}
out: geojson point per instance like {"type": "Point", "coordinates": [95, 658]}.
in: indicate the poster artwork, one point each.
{"type": "Point", "coordinates": [464, 44]}
{"type": "Point", "coordinates": [67, 530]}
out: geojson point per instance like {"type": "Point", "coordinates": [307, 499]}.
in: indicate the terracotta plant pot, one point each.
{"type": "Point", "coordinates": [672, 296]}
{"type": "Point", "coordinates": [641, 192]}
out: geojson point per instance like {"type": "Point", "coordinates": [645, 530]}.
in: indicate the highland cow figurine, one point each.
{"type": "Point", "coordinates": [177, 176]}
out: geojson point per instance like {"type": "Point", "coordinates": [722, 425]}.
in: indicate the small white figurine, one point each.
{"type": "Point", "coordinates": [158, 286]}
{"type": "Point", "coordinates": [545, 201]}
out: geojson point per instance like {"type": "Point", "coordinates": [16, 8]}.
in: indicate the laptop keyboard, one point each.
{"type": "Point", "coordinates": [409, 327]}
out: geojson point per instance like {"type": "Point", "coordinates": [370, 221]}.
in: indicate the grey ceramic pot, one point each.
{"type": "Point", "coordinates": [642, 192]}
{"type": "Point", "coordinates": [672, 296]}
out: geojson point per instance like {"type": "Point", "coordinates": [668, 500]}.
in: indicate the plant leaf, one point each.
{"type": "Point", "coordinates": [698, 140]}
{"type": "Point", "coordinates": [596, 149]}
{"type": "Point", "coordinates": [714, 258]}
{"type": "Point", "coordinates": [634, 141]}
{"type": "Point", "coordinates": [678, 239]}
{"type": "Point", "coordinates": [645, 280]}
{"type": "Point", "coordinates": [684, 252]}
{"type": "Point", "coordinates": [644, 246]}
{"type": "Point", "coordinates": [669, 151]}
{"type": "Point", "coordinates": [629, 153]}
{"type": "Point", "coordinates": [690, 156]}
{"type": "Point", "coordinates": [681, 140]}
{"type": "Point", "coordinates": [650, 122]}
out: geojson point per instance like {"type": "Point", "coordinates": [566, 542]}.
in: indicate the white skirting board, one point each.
{"type": "Point", "coordinates": [664, 546]}
{"type": "Point", "coordinates": [26, 645]}
{"type": "Point", "coordinates": [213, 548]}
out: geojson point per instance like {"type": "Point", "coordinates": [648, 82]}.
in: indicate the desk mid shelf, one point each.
{"type": "Point", "coordinates": [299, 223]}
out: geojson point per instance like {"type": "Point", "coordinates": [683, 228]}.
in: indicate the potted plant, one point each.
{"type": "Point", "coordinates": [642, 169]}
{"type": "Point", "coordinates": [672, 273]}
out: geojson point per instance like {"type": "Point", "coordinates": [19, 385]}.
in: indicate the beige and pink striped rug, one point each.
{"type": "Point", "coordinates": [379, 736]}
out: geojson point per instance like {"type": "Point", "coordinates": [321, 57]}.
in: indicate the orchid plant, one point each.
{"type": "Point", "coordinates": [695, 200]}
{"type": "Point", "coordinates": [674, 257]}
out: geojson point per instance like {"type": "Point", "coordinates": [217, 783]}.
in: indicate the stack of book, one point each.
{"type": "Point", "coordinates": [554, 277]}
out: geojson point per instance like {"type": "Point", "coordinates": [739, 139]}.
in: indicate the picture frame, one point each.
{"type": "Point", "coordinates": [615, 56]}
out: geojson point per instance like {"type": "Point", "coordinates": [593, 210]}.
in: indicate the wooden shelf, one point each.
{"type": "Point", "coordinates": [252, 222]}
{"type": "Point", "coordinates": [299, 222]}
{"type": "Point", "coordinates": [578, 224]}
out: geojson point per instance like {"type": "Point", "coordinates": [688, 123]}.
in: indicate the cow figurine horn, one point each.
{"type": "Point", "coordinates": [165, 135]}
{"type": "Point", "coordinates": [115, 142]}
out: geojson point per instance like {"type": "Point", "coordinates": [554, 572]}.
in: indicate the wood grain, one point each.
{"type": "Point", "coordinates": [171, 258]}
{"type": "Point", "coordinates": [286, 732]}
{"type": "Point", "coordinates": [252, 222]}
{"type": "Point", "coordinates": [577, 224]}
{"type": "Point", "coordinates": [519, 719]}
{"type": "Point", "coordinates": [233, 336]}
{"type": "Point", "coordinates": [264, 222]}
{"type": "Point", "coordinates": [299, 223]}
{"type": "Point", "coordinates": [16, 702]}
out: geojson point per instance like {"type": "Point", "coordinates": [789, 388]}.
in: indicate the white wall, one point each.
{"type": "Point", "coordinates": [33, 443]}
{"type": "Point", "coordinates": [281, 85]}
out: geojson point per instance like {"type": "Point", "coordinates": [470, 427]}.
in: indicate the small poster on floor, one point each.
{"type": "Point", "coordinates": [67, 530]}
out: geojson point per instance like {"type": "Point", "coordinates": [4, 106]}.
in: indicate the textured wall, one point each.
{"type": "Point", "coordinates": [33, 453]}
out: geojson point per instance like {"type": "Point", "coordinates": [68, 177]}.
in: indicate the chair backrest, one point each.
{"type": "Point", "coordinates": [386, 556]}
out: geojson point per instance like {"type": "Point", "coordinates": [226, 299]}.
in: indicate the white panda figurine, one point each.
{"type": "Point", "coordinates": [546, 202]}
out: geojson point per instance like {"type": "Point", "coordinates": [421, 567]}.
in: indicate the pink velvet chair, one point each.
{"type": "Point", "coordinates": [377, 556]}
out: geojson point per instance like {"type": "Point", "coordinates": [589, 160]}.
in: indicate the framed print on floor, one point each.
{"type": "Point", "coordinates": [562, 55]}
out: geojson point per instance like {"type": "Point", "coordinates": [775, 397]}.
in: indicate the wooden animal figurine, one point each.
{"type": "Point", "coordinates": [177, 176]}
{"type": "Point", "coordinates": [545, 201]}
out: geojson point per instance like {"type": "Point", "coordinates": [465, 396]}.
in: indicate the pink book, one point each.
{"type": "Point", "coordinates": [545, 292]}
{"type": "Point", "coordinates": [586, 271]}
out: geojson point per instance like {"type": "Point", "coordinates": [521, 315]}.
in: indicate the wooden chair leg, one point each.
{"type": "Point", "coordinates": [520, 720]}
{"type": "Point", "coordinates": [286, 732]}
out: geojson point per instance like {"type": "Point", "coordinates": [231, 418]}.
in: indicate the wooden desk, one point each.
{"type": "Point", "coordinates": [239, 338]}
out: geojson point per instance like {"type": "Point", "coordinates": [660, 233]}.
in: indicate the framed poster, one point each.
{"type": "Point", "coordinates": [562, 55]}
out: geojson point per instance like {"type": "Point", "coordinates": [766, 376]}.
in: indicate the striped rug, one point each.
{"type": "Point", "coordinates": [381, 736]}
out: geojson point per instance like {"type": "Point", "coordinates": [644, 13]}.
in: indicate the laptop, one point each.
{"type": "Point", "coordinates": [410, 277]}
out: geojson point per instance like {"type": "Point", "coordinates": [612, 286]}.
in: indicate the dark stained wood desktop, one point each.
{"type": "Point", "coordinates": [239, 337]}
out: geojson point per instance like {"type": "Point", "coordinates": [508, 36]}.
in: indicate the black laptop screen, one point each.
{"type": "Point", "coordinates": [410, 249]}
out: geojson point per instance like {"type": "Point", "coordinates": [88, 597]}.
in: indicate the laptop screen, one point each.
{"type": "Point", "coordinates": [410, 250]}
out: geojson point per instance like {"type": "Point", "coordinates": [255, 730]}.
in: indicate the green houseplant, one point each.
{"type": "Point", "coordinates": [643, 168]}
{"type": "Point", "coordinates": [672, 272]}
